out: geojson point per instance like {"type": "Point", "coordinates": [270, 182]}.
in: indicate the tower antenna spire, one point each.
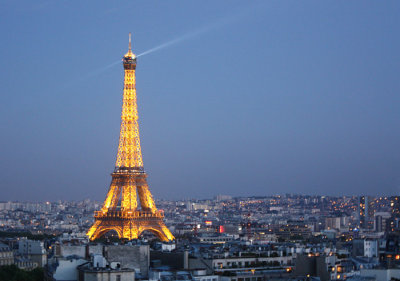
{"type": "Point", "coordinates": [130, 41]}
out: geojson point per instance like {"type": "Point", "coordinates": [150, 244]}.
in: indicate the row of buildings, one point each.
{"type": "Point", "coordinates": [282, 237]}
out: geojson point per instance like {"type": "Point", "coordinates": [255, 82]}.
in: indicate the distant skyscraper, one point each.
{"type": "Point", "coordinates": [378, 224]}
{"type": "Point", "coordinates": [382, 219]}
{"type": "Point", "coordinates": [366, 212]}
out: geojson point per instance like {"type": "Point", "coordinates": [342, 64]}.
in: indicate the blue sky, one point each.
{"type": "Point", "coordinates": [254, 98]}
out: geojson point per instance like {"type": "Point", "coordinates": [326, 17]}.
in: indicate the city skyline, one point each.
{"type": "Point", "coordinates": [254, 100]}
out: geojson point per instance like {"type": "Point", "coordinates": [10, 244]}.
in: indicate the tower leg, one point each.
{"type": "Point", "coordinates": [146, 199]}
{"type": "Point", "coordinates": [93, 229]}
{"type": "Point", "coordinates": [158, 228]}
{"type": "Point", "coordinates": [112, 197]}
{"type": "Point", "coordinates": [98, 229]}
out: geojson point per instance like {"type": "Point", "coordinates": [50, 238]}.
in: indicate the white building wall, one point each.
{"type": "Point", "coordinates": [67, 269]}
{"type": "Point", "coordinates": [109, 276]}
{"type": "Point", "coordinates": [206, 278]}
{"type": "Point", "coordinates": [370, 248]}
{"type": "Point", "coordinates": [26, 247]}
{"type": "Point", "coordinates": [381, 274]}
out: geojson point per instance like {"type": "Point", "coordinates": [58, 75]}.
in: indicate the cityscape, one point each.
{"type": "Point", "coordinates": [332, 238]}
{"type": "Point", "coordinates": [316, 199]}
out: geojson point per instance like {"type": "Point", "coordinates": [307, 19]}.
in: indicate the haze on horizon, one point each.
{"type": "Point", "coordinates": [265, 98]}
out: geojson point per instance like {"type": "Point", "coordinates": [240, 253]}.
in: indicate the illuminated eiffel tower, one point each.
{"type": "Point", "coordinates": [120, 211]}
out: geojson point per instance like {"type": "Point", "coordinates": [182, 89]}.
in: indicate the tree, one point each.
{"type": "Point", "coordinates": [13, 273]}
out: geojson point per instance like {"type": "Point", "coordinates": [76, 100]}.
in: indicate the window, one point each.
{"type": "Point", "coordinates": [118, 278]}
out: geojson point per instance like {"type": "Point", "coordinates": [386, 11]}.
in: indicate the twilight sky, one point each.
{"type": "Point", "coordinates": [258, 98]}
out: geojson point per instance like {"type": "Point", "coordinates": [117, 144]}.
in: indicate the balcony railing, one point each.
{"type": "Point", "coordinates": [129, 214]}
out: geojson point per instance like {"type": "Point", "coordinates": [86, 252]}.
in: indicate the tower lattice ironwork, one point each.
{"type": "Point", "coordinates": [120, 211]}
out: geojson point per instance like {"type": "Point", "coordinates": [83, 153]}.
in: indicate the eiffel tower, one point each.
{"type": "Point", "coordinates": [120, 211]}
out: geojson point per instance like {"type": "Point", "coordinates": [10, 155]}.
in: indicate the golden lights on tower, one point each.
{"type": "Point", "coordinates": [120, 211]}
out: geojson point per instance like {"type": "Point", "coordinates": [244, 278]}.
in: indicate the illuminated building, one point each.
{"type": "Point", "coordinates": [395, 205]}
{"type": "Point", "coordinates": [121, 211]}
